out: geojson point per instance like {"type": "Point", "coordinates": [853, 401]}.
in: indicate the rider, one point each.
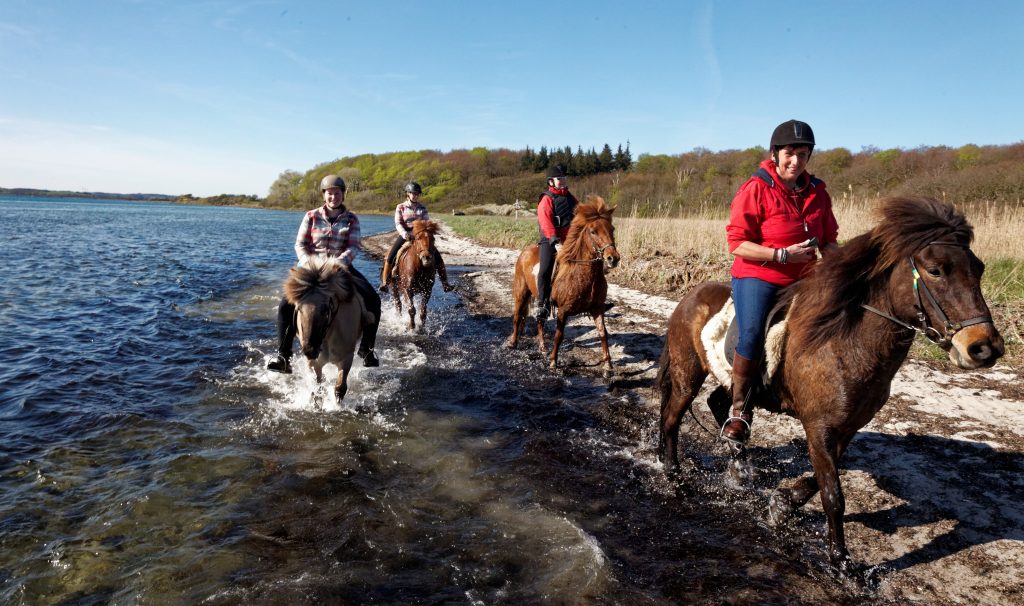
{"type": "Point", "coordinates": [776, 216]}
{"type": "Point", "coordinates": [405, 213]}
{"type": "Point", "coordinates": [330, 230]}
{"type": "Point", "coordinates": [555, 211]}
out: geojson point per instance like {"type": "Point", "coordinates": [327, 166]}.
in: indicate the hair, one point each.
{"type": "Point", "coordinates": [831, 296]}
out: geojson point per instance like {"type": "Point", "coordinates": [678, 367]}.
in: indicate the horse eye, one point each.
{"type": "Point", "coordinates": [934, 271]}
{"type": "Point", "coordinates": [593, 232]}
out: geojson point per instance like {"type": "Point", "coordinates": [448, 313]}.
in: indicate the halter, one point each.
{"type": "Point", "coordinates": [943, 339]}
{"type": "Point", "coordinates": [597, 251]}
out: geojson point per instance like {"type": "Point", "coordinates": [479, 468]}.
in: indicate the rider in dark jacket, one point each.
{"type": "Point", "coordinates": [555, 211]}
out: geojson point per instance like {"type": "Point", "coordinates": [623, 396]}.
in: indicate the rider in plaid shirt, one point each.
{"type": "Point", "coordinates": [405, 213]}
{"type": "Point", "coordinates": [330, 230]}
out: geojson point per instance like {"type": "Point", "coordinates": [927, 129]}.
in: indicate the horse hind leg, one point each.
{"type": "Point", "coordinates": [520, 307]}
{"type": "Point", "coordinates": [678, 384]}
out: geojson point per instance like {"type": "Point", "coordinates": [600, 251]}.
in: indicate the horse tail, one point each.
{"type": "Point", "coordinates": [662, 381]}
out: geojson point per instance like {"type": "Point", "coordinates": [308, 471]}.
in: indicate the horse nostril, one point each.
{"type": "Point", "coordinates": [981, 351]}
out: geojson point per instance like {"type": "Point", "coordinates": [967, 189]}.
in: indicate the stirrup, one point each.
{"type": "Point", "coordinates": [731, 439]}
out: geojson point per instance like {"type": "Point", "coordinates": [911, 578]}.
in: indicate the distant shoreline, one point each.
{"type": "Point", "coordinates": [219, 200]}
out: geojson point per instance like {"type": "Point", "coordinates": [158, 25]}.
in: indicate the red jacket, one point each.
{"type": "Point", "coordinates": [546, 214]}
{"type": "Point", "coordinates": [770, 214]}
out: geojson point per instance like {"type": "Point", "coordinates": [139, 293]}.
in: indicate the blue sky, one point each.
{"type": "Point", "coordinates": [211, 97]}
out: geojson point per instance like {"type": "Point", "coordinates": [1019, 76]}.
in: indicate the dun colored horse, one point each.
{"type": "Point", "coordinates": [416, 271]}
{"type": "Point", "coordinates": [850, 325]}
{"type": "Point", "coordinates": [578, 284]}
{"type": "Point", "coordinates": [328, 317]}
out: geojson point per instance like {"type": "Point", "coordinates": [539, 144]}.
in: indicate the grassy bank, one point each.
{"type": "Point", "coordinates": [669, 255]}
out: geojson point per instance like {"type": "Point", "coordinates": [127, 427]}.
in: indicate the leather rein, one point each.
{"type": "Point", "coordinates": [943, 339]}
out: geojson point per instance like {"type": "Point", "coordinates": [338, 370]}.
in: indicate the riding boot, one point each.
{"type": "Point", "coordinates": [369, 339]}
{"type": "Point", "coordinates": [285, 338]}
{"type": "Point", "coordinates": [385, 276]}
{"type": "Point", "coordinates": [442, 273]}
{"type": "Point", "coordinates": [744, 377]}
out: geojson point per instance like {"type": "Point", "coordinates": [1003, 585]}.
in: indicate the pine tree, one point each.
{"type": "Point", "coordinates": [606, 160]}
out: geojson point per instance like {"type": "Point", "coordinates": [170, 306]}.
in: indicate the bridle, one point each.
{"type": "Point", "coordinates": [598, 252]}
{"type": "Point", "coordinates": [943, 339]}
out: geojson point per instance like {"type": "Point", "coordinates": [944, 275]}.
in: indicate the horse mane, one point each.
{"type": "Point", "coordinates": [594, 209]}
{"type": "Point", "coordinates": [830, 297]}
{"type": "Point", "coordinates": [318, 280]}
{"type": "Point", "coordinates": [419, 226]}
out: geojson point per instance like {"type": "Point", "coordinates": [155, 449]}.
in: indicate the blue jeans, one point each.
{"type": "Point", "coordinates": [753, 298]}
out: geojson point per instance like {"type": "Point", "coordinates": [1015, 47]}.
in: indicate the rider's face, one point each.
{"type": "Point", "coordinates": [334, 197]}
{"type": "Point", "coordinates": [559, 182]}
{"type": "Point", "coordinates": [791, 162]}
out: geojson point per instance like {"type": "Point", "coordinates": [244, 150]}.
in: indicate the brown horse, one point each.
{"type": "Point", "coordinates": [328, 317]}
{"type": "Point", "coordinates": [416, 271]}
{"type": "Point", "coordinates": [851, 322]}
{"type": "Point", "coordinates": [578, 284]}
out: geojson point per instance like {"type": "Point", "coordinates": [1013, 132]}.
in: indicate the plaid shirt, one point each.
{"type": "Point", "coordinates": [319, 236]}
{"type": "Point", "coordinates": [406, 213]}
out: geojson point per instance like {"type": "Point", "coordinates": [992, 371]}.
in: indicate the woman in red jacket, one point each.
{"type": "Point", "coordinates": [555, 211]}
{"type": "Point", "coordinates": [779, 220]}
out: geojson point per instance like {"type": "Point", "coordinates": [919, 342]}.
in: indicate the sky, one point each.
{"type": "Point", "coordinates": [211, 97]}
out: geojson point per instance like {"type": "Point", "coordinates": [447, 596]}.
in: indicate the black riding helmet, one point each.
{"type": "Point", "coordinates": [413, 187]}
{"type": "Point", "coordinates": [556, 171]}
{"type": "Point", "coordinates": [792, 132]}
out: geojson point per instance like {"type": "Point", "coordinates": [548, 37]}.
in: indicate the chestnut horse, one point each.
{"type": "Point", "coordinates": [850, 325]}
{"type": "Point", "coordinates": [328, 317]}
{"type": "Point", "coordinates": [578, 284]}
{"type": "Point", "coordinates": [416, 271]}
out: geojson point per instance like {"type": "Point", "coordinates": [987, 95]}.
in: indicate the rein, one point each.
{"type": "Point", "coordinates": [943, 339]}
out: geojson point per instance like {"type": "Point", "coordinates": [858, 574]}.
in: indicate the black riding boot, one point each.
{"type": "Point", "coordinates": [372, 302]}
{"type": "Point", "coordinates": [744, 375]}
{"type": "Point", "coordinates": [285, 337]}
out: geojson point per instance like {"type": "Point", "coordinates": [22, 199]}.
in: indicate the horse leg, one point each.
{"type": "Point", "coordinates": [679, 384]}
{"type": "Point", "coordinates": [556, 341]}
{"type": "Point", "coordinates": [602, 332]}
{"type": "Point", "coordinates": [341, 387]}
{"type": "Point", "coordinates": [823, 446]}
{"type": "Point", "coordinates": [784, 501]}
{"type": "Point", "coordinates": [411, 304]}
{"type": "Point", "coordinates": [720, 403]}
{"type": "Point", "coordinates": [423, 307]}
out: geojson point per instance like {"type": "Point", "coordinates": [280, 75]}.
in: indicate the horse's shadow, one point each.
{"type": "Point", "coordinates": [969, 484]}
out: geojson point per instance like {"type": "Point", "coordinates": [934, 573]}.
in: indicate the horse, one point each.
{"type": "Point", "coordinates": [328, 317]}
{"type": "Point", "coordinates": [415, 267]}
{"type": "Point", "coordinates": [578, 284]}
{"type": "Point", "coordinates": [850, 325]}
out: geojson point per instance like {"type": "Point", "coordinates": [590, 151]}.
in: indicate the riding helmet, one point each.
{"type": "Point", "coordinates": [556, 171]}
{"type": "Point", "coordinates": [332, 181]}
{"type": "Point", "coordinates": [792, 132]}
{"type": "Point", "coordinates": [413, 187]}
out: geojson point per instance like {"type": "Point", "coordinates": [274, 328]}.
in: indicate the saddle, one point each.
{"type": "Point", "coordinates": [720, 334]}
{"type": "Point", "coordinates": [398, 258]}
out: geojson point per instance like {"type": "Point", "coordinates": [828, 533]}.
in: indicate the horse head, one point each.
{"type": "Point", "coordinates": [591, 233]}
{"type": "Point", "coordinates": [423, 241]}
{"type": "Point", "coordinates": [915, 268]}
{"type": "Point", "coordinates": [316, 291]}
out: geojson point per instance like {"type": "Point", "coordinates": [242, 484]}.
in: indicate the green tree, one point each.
{"type": "Point", "coordinates": [284, 190]}
{"type": "Point", "coordinates": [607, 162]}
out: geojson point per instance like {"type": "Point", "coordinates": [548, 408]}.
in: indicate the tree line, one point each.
{"type": "Point", "coordinates": [654, 184]}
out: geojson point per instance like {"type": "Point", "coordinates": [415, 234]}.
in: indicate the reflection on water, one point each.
{"type": "Point", "coordinates": [149, 457]}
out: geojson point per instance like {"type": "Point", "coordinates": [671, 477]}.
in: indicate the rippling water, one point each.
{"type": "Point", "coordinates": [148, 457]}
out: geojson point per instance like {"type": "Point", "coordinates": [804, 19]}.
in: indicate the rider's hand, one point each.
{"type": "Point", "coordinates": [800, 253]}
